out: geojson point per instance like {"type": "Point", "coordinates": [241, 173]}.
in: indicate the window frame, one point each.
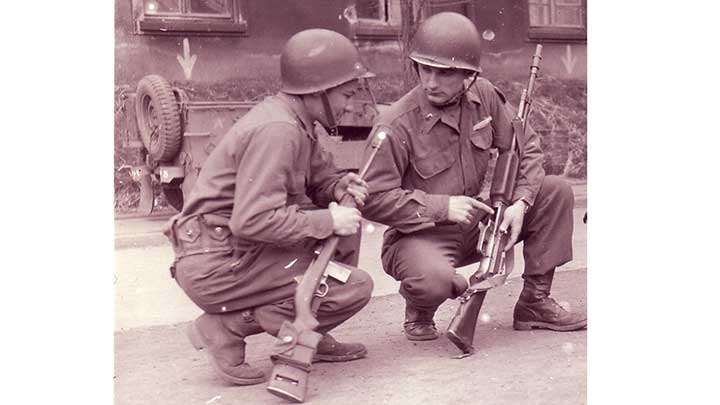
{"type": "Point", "coordinates": [184, 22]}
{"type": "Point", "coordinates": [372, 29]}
{"type": "Point", "coordinates": [378, 29]}
{"type": "Point", "coordinates": [557, 33]}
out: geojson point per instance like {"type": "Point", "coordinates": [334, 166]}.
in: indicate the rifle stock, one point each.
{"type": "Point", "coordinates": [462, 326]}
{"type": "Point", "coordinates": [492, 270]}
{"type": "Point", "coordinates": [297, 341]}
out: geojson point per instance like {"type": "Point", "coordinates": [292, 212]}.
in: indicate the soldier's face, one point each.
{"type": "Point", "coordinates": [339, 98]}
{"type": "Point", "coordinates": [441, 85]}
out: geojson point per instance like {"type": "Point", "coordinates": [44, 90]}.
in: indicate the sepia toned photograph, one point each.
{"type": "Point", "coordinates": [350, 202]}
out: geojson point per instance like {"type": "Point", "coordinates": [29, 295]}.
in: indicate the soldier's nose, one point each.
{"type": "Point", "coordinates": [349, 108]}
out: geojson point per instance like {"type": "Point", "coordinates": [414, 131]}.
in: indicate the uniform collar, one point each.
{"type": "Point", "coordinates": [297, 108]}
{"type": "Point", "coordinates": [432, 114]}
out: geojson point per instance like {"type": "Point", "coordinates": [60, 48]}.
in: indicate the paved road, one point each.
{"type": "Point", "coordinates": [157, 365]}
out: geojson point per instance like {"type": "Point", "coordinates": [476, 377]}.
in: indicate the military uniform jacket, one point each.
{"type": "Point", "coordinates": [259, 177]}
{"type": "Point", "coordinates": [432, 153]}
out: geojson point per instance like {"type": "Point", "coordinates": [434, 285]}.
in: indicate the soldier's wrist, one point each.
{"type": "Point", "coordinates": [524, 205]}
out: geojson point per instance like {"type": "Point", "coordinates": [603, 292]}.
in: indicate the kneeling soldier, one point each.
{"type": "Point", "coordinates": [425, 181]}
{"type": "Point", "coordinates": [251, 222]}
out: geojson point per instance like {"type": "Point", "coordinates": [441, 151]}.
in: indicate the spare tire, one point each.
{"type": "Point", "coordinates": [158, 118]}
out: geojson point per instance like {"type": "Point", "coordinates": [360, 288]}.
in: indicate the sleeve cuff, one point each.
{"type": "Point", "coordinates": [525, 194]}
{"type": "Point", "coordinates": [331, 190]}
{"type": "Point", "coordinates": [436, 207]}
{"type": "Point", "coordinates": [321, 223]}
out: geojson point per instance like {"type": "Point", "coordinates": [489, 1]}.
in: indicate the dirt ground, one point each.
{"type": "Point", "coordinates": [157, 365]}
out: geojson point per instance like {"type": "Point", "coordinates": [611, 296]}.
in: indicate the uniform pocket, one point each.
{"type": "Point", "coordinates": [189, 230]}
{"type": "Point", "coordinates": [482, 138]}
{"type": "Point", "coordinates": [219, 233]}
{"type": "Point", "coordinates": [436, 173]}
{"type": "Point", "coordinates": [434, 164]}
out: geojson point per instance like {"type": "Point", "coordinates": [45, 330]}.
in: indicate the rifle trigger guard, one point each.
{"type": "Point", "coordinates": [322, 288]}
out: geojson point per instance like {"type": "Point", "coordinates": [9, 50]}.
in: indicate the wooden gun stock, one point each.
{"type": "Point", "coordinates": [297, 341]}
{"type": "Point", "coordinates": [462, 326]}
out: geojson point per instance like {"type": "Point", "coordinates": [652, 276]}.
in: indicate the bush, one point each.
{"type": "Point", "coordinates": [127, 192]}
{"type": "Point", "coordinates": [559, 115]}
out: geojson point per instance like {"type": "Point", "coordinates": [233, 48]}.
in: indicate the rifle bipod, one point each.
{"type": "Point", "coordinates": [461, 330]}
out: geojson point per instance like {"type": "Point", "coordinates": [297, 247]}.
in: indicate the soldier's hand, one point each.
{"type": "Point", "coordinates": [351, 183]}
{"type": "Point", "coordinates": [346, 220]}
{"type": "Point", "coordinates": [513, 219]}
{"type": "Point", "coordinates": [462, 209]}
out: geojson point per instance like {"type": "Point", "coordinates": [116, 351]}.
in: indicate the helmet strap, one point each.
{"type": "Point", "coordinates": [454, 99]}
{"type": "Point", "coordinates": [332, 124]}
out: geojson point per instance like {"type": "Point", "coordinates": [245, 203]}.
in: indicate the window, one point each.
{"type": "Point", "coordinates": [464, 7]}
{"type": "Point", "coordinates": [199, 16]}
{"type": "Point", "coordinates": [557, 19]}
{"type": "Point", "coordinates": [381, 19]}
{"type": "Point", "coordinates": [374, 19]}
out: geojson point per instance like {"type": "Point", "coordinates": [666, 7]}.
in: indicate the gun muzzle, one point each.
{"type": "Point", "coordinates": [378, 139]}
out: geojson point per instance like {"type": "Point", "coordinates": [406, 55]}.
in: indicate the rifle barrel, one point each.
{"type": "Point", "coordinates": [534, 68]}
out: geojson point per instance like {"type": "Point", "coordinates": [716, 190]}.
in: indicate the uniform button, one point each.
{"type": "Point", "coordinates": [428, 116]}
{"type": "Point", "coordinates": [218, 229]}
{"type": "Point", "coordinates": [189, 232]}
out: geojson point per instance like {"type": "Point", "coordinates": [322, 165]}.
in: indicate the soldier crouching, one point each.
{"type": "Point", "coordinates": [426, 180]}
{"type": "Point", "coordinates": [252, 221]}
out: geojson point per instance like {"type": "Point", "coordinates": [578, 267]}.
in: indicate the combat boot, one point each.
{"type": "Point", "coordinates": [223, 336]}
{"type": "Point", "coordinates": [535, 308]}
{"type": "Point", "coordinates": [419, 324]}
{"type": "Point", "coordinates": [331, 350]}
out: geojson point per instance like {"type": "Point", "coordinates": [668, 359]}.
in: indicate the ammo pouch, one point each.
{"type": "Point", "coordinates": [193, 235]}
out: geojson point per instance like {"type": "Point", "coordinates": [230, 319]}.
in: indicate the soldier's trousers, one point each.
{"type": "Point", "coordinates": [424, 262]}
{"type": "Point", "coordinates": [263, 280]}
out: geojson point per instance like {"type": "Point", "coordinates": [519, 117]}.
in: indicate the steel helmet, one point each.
{"type": "Point", "coordinates": [318, 59]}
{"type": "Point", "coordinates": [447, 40]}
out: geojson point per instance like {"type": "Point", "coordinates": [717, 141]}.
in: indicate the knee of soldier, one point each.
{"type": "Point", "coordinates": [434, 287]}
{"type": "Point", "coordinates": [560, 190]}
{"type": "Point", "coordinates": [362, 285]}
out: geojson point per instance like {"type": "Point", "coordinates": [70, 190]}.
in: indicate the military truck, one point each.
{"type": "Point", "coordinates": [175, 134]}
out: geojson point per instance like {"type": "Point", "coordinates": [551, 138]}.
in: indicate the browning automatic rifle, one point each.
{"type": "Point", "coordinates": [297, 341]}
{"type": "Point", "coordinates": [495, 265]}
